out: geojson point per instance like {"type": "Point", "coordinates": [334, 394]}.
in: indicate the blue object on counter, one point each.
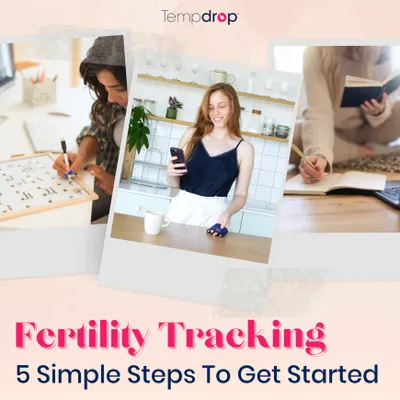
{"type": "Point", "coordinates": [217, 228]}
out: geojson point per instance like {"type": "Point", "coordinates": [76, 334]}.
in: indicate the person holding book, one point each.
{"type": "Point", "coordinates": [215, 157]}
{"type": "Point", "coordinates": [103, 71]}
{"type": "Point", "coordinates": [331, 131]}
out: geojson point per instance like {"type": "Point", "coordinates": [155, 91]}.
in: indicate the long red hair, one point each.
{"type": "Point", "coordinates": [204, 125]}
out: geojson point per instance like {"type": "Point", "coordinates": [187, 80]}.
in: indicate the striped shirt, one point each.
{"type": "Point", "coordinates": [109, 151]}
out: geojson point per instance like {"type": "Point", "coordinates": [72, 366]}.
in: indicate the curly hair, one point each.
{"type": "Point", "coordinates": [102, 111]}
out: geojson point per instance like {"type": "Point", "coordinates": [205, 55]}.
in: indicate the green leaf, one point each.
{"type": "Point", "coordinates": [146, 141]}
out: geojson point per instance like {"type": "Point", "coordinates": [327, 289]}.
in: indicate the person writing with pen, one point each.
{"type": "Point", "coordinates": [330, 133]}
{"type": "Point", "coordinates": [104, 72]}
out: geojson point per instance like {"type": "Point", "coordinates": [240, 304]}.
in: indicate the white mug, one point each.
{"type": "Point", "coordinates": [153, 222]}
{"type": "Point", "coordinates": [218, 76]}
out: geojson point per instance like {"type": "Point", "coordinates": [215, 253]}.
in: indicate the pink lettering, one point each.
{"type": "Point", "coordinates": [221, 17]}
{"type": "Point", "coordinates": [41, 338]}
{"type": "Point", "coordinates": [253, 336]}
{"type": "Point", "coordinates": [230, 338]}
{"type": "Point", "coordinates": [20, 333]}
{"type": "Point", "coordinates": [215, 339]}
{"type": "Point", "coordinates": [171, 331]}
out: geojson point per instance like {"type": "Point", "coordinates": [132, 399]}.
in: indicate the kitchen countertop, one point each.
{"type": "Point", "coordinates": [169, 193]}
{"type": "Point", "coordinates": [193, 238]}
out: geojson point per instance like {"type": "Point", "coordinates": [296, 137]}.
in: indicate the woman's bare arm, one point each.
{"type": "Point", "coordinates": [246, 160]}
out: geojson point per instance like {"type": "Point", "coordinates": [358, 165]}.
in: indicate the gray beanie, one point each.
{"type": "Point", "coordinates": [107, 50]}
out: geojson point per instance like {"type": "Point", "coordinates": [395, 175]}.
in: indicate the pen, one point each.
{"type": "Point", "coordinates": [300, 153]}
{"type": "Point", "coordinates": [64, 149]}
{"type": "Point", "coordinates": [42, 76]}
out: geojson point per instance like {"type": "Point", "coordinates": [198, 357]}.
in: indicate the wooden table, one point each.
{"type": "Point", "coordinates": [193, 238]}
{"type": "Point", "coordinates": [337, 213]}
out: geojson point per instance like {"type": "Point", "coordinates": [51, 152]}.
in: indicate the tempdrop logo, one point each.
{"type": "Point", "coordinates": [207, 17]}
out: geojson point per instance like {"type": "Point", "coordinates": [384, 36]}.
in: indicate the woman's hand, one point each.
{"type": "Point", "coordinates": [172, 168]}
{"type": "Point", "coordinates": [76, 163]}
{"type": "Point", "coordinates": [313, 175]}
{"type": "Point", "coordinates": [105, 181]}
{"type": "Point", "coordinates": [373, 107]}
{"type": "Point", "coordinates": [224, 220]}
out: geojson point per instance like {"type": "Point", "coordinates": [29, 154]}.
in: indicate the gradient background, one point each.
{"type": "Point", "coordinates": [362, 319]}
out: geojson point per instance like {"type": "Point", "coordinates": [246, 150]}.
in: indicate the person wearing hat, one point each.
{"type": "Point", "coordinates": [104, 72]}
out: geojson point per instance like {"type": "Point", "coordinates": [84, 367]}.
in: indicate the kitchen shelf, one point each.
{"type": "Point", "coordinates": [199, 86]}
{"type": "Point", "coordinates": [187, 123]}
{"type": "Point", "coordinates": [145, 183]}
{"type": "Point", "coordinates": [152, 165]}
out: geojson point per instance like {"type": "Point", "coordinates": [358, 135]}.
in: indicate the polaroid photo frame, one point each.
{"type": "Point", "coordinates": [363, 225]}
{"type": "Point", "coordinates": [183, 261]}
{"type": "Point", "coordinates": [56, 239]}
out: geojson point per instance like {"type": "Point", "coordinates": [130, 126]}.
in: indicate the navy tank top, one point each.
{"type": "Point", "coordinates": [210, 176]}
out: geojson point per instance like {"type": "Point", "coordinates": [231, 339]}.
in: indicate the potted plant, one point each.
{"type": "Point", "coordinates": [172, 110]}
{"type": "Point", "coordinates": [137, 138]}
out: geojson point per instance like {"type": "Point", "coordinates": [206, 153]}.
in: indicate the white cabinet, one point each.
{"type": "Point", "coordinates": [245, 222]}
{"type": "Point", "coordinates": [137, 204]}
{"type": "Point", "coordinates": [236, 222]}
{"type": "Point", "coordinates": [258, 224]}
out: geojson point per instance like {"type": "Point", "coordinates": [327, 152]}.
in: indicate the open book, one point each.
{"type": "Point", "coordinates": [349, 180]}
{"type": "Point", "coordinates": [359, 90]}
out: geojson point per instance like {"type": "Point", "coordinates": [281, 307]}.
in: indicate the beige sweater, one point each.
{"type": "Point", "coordinates": [326, 130]}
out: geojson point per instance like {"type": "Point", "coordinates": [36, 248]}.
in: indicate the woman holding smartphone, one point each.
{"type": "Point", "coordinates": [104, 72]}
{"type": "Point", "coordinates": [216, 156]}
{"type": "Point", "coordinates": [330, 133]}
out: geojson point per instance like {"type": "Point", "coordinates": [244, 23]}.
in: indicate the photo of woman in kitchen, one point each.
{"type": "Point", "coordinates": [104, 72]}
{"type": "Point", "coordinates": [203, 170]}
{"type": "Point", "coordinates": [216, 156]}
{"type": "Point", "coordinates": [330, 133]}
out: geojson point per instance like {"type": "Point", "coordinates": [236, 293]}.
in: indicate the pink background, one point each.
{"type": "Point", "coordinates": [362, 319]}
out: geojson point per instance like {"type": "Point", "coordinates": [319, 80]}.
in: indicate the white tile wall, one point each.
{"type": "Point", "coordinates": [266, 178]}
{"type": "Point", "coordinates": [269, 171]}
{"type": "Point", "coordinates": [268, 162]}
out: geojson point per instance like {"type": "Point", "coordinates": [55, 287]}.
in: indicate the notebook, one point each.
{"type": "Point", "coordinates": [348, 180]}
{"type": "Point", "coordinates": [358, 90]}
{"type": "Point", "coordinates": [45, 133]}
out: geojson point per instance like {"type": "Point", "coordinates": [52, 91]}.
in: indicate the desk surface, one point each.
{"type": "Point", "coordinates": [14, 140]}
{"type": "Point", "coordinates": [193, 238]}
{"type": "Point", "coordinates": [337, 213]}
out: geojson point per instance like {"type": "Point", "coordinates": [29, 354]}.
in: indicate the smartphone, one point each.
{"type": "Point", "coordinates": [177, 152]}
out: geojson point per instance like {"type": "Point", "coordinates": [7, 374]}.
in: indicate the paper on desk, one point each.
{"type": "Point", "coordinates": [349, 180]}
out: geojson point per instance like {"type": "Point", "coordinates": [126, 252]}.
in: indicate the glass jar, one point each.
{"type": "Point", "coordinates": [282, 131]}
{"type": "Point", "coordinates": [137, 102]}
{"type": "Point", "coordinates": [250, 82]}
{"type": "Point", "coordinates": [150, 105]}
{"type": "Point", "coordinates": [269, 126]}
{"type": "Point", "coordinates": [254, 124]}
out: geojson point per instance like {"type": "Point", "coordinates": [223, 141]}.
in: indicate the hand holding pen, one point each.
{"type": "Point", "coordinates": [312, 168]}
{"type": "Point", "coordinates": [69, 164]}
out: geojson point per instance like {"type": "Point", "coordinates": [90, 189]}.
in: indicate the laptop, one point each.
{"type": "Point", "coordinates": [391, 194]}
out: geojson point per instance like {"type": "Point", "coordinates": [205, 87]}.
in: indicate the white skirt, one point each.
{"type": "Point", "coordinates": [192, 209]}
